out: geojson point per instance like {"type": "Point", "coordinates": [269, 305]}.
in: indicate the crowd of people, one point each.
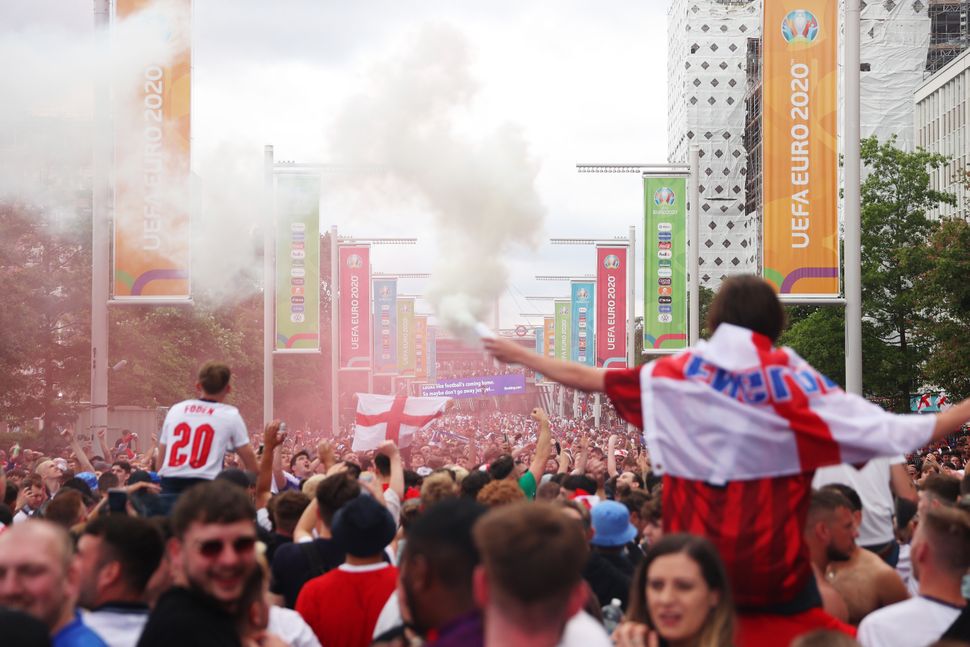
{"type": "Point", "coordinates": [740, 525]}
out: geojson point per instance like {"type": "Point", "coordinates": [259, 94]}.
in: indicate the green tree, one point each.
{"type": "Point", "coordinates": [946, 291]}
{"type": "Point", "coordinates": [896, 195]}
{"type": "Point", "coordinates": [45, 289]}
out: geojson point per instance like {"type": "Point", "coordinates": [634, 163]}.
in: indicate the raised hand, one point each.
{"type": "Point", "coordinates": [271, 436]}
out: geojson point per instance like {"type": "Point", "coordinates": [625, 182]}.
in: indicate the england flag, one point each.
{"type": "Point", "coordinates": [389, 417]}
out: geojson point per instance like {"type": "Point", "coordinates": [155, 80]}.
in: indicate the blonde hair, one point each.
{"type": "Point", "coordinates": [438, 487]}
{"type": "Point", "coordinates": [310, 485]}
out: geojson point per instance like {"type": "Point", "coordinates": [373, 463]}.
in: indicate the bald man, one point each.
{"type": "Point", "coordinates": [38, 576]}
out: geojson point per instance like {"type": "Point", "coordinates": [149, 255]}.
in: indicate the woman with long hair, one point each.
{"type": "Point", "coordinates": [680, 596]}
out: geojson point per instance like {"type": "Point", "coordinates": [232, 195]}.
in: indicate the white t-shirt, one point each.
{"type": "Point", "coordinates": [117, 627]}
{"type": "Point", "coordinates": [291, 627]}
{"type": "Point", "coordinates": [872, 485]}
{"type": "Point", "coordinates": [197, 434]}
{"type": "Point", "coordinates": [583, 630]}
{"type": "Point", "coordinates": [915, 622]}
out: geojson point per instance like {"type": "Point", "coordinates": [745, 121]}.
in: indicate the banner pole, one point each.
{"type": "Point", "coordinates": [631, 287]}
{"type": "Point", "coordinates": [693, 243]}
{"type": "Point", "coordinates": [269, 284]}
{"type": "Point", "coordinates": [334, 334]}
{"type": "Point", "coordinates": [853, 202]}
{"type": "Point", "coordinates": [100, 227]}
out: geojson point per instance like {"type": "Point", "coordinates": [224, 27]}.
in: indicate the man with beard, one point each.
{"type": "Point", "coordinates": [213, 552]}
{"type": "Point", "coordinates": [829, 533]}
{"type": "Point", "coordinates": [38, 576]}
{"type": "Point", "coordinates": [434, 592]}
{"type": "Point", "coordinates": [861, 577]}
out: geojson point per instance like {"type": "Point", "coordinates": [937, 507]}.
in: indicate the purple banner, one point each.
{"type": "Point", "coordinates": [476, 387]}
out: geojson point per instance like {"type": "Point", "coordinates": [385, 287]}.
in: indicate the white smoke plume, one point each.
{"type": "Point", "coordinates": [480, 191]}
{"type": "Point", "coordinates": [47, 115]}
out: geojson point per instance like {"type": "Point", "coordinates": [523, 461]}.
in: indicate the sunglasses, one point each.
{"type": "Point", "coordinates": [214, 547]}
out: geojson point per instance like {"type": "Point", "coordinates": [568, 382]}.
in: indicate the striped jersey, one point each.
{"type": "Point", "coordinates": [738, 428]}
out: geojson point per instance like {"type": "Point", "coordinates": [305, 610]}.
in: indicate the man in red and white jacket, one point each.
{"type": "Point", "coordinates": [738, 428]}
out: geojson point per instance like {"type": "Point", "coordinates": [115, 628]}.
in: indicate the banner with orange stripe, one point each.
{"type": "Point", "coordinates": [800, 186]}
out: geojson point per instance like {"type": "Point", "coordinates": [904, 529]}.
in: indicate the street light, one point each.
{"type": "Point", "coordinates": [401, 275]}
{"type": "Point", "coordinates": [561, 277]}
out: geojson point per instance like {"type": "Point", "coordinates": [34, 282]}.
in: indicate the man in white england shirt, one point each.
{"type": "Point", "coordinates": [941, 555]}
{"type": "Point", "coordinates": [197, 433]}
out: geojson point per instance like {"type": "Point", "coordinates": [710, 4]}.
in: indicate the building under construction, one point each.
{"type": "Point", "coordinates": [948, 32]}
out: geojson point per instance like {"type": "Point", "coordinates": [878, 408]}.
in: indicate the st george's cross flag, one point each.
{"type": "Point", "coordinates": [389, 417]}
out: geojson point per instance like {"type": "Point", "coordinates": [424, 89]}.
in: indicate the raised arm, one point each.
{"type": "Point", "coordinates": [949, 421]}
{"type": "Point", "coordinates": [264, 476]}
{"type": "Point", "coordinates": [563, 462]}
{"type": "Point", "coordinates": [146, 458]}
{"type": "Point", "coordinates": [543, 444]}
{"type": "Point", "coordinates": [611, 455]}
{"type": "Point", "coordinates": [308, 521]}
{"type": "Point", "coordinates": [325, 457]}
{"type": "Point", "coordinates": [82, 458]}
{"type": "Point", "coordinates": [103, 443]}
{"type": "Point", "coordinates": [583, 455]}
{"type": "Point", "coordinates": [396, 482]}
{"type": "Point", "coordinates": [571, 374]}
{"type": "Point", "coordinates": [278, 476]}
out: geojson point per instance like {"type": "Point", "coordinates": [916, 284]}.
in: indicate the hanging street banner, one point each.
{"type": "Point", "coordinates": [476, 387]}
{"type": "Point", "coordinates": [549, 333]}
{"type": "Point", "coordinates": [421, 347]}
{"type": "Point", "coordinates": [800, 185]}
{"type": "Point", "coordinates": [152, 125]}
{"type": "Point", "coordinates": [405, 336]}
{"type": "Point", "coordinates": [353, 263]}
{"type": "Point", "coordinates": [611, 306]}
{"type": "Point", "coordinates": [563, 341]}
{"type": "Point", "coordinates": [298, 263]}
{"type": "Point", "coordinates": [432, 354]}
{"type": "Point", "coordinates": [385, 325]}
{"type": "Point", "coordinates": [665, 263]}
{"type": "Point", "coordinates": [582, 322]}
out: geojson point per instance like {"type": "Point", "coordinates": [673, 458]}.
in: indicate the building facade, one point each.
{"type": "Point", "coordinates": [714, 95]}
{"type": "Point", "coordinates": [942, 107]}
{"type": "Point", "coordinates": [707, 54]}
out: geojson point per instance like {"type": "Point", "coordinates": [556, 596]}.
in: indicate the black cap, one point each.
{"type": "Point", "coordinates": [363, 527]}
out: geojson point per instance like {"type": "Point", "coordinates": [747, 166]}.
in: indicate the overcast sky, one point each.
{"type": "Point", "coordinates": [585, 81]}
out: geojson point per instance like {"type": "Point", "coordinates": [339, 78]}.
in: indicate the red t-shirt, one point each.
{"type": "Point", "coordinates": [756, 525]}
{"type": "Point", "coordinates": [342, 606]}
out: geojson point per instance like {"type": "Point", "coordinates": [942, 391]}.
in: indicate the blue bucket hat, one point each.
{"type": "Point", "coordinates": [90, 479]}
{"type": "Point", "coordinates": [611, 524]}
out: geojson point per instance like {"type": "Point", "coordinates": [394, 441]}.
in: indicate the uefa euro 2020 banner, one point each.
{"type": "Point", "coordinates": [353, 265]}
{"type": "Point", "coordinates": [549, 336]}
{"type": "Point", "coordinates": [152, 122]}
{"type": "Point", "coordinates": [432, 354]}
{"type": "Point", "coordinates": [405, 336]}
{"type": "Point", "coordinates": [800, 189]}
{"type": "Point", "coordinates": [611, 329]}
{"type": "Point", "coordinates": [665, 263]}
{"type": "Point", "coordinates": [563, 340]}
{"type": "Point", "coordinates": [385, 325]}
{"type": "Point", "coordinates": [297, 263]}
{"type": "Point", "coordinates": [421, 347]}
{"type": "Point", "coordinates": [582, 322]}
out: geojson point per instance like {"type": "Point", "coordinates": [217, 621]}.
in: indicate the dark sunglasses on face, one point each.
{"type": "Point", "coordinates": [214, 547]}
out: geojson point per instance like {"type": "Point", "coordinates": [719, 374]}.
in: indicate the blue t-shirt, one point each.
{"type": "Point", "coordinates": [77, 634]}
